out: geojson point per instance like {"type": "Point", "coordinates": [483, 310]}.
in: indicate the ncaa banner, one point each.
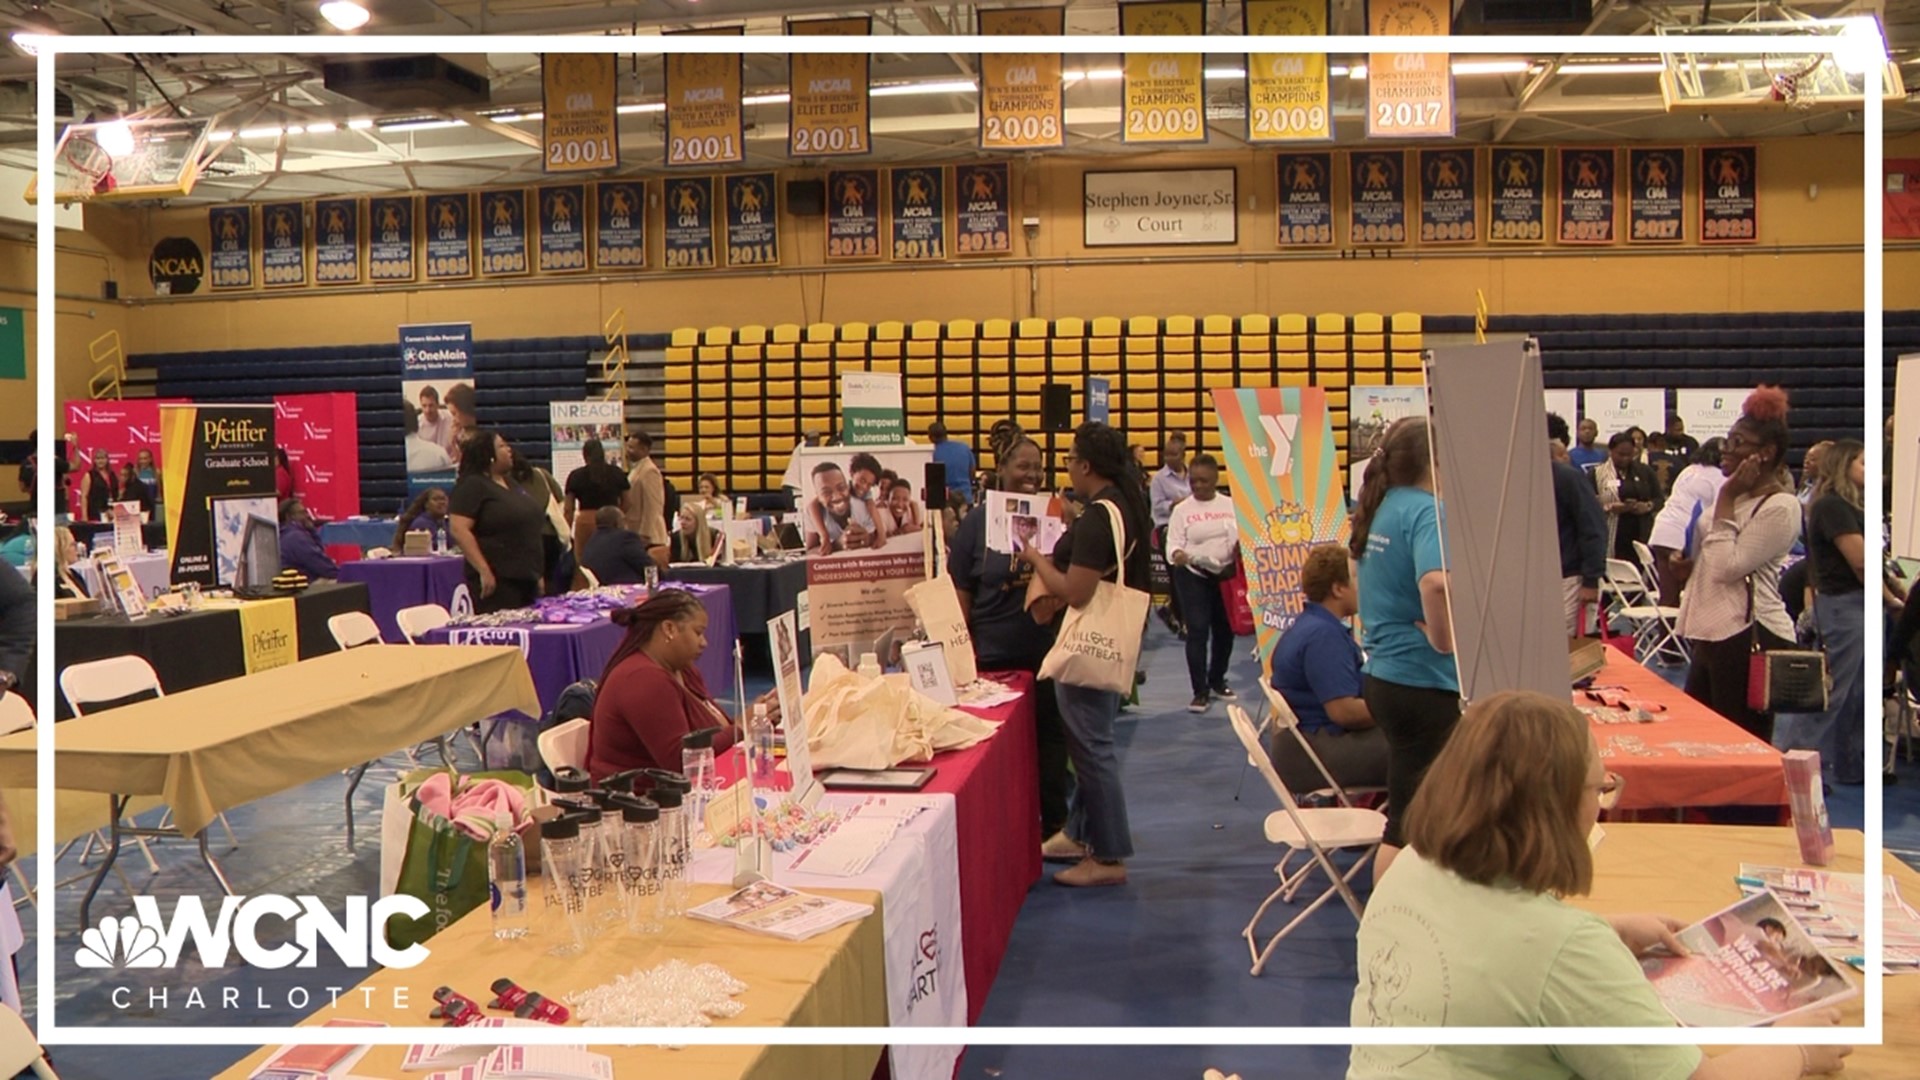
{"type": "Point", "coordinates": [1729, 195]}
{"type": "Point", "coordinates": [1519, 203]}
{"type": "Point", "coordinates": [1377, 193]}
{"type": "Point", "coordinates": [753, 220]}
{"type": "Point", "coordinates": [390, 239]}
{"type": "Point", "coordinates": [1656, 195]}
{"type": "Point", "coordinates": [1449, 199]}
{"type": "Point", "coordinates": [563, 228]}
{"type": "Point", "coordinates": [449, 237]}
{"type": "Point", "coordinates": [579, 131]}
{"type": "Point", "coordinates": [1409, 94]}
{"type": "Point", "coordinates": [1287, 492]}
{"type": "Point", "coordinates": [1163, 96]}
{"type": "Point", "coordinates": [437, 396]}
{"type": "Point", "coordinates": [503, 236]}
{"type": "Point", "coordinates": [853, 214]}
{"type": "Point", "coordinates": [689, 235]}
{"type": "Point", "coordinates": [216, 468]}
{"type": "Point", "coordinates": [1586, 195]}
{"type": "Point", "coordinates": [1306, 199]}
{"type": "Point", "coordinates": [705, 122]}
{"type": "Point", "coordinates": [828, 112]}
{"type": "Point", "coordinates": [919, 213]}
{"type": "Point", "coordinates": [620, 225]}
{"type": "Point", "coordinates": [283, 254]}
{"type": "Point", "coordinates": [982, 215]}
{"type": "Point", "coordinates": [1022, 97]}
{"type": "Point", "coordinates": [336, 242]}
{"type": "Point", "coordinates": [1288, 96]}
{"type": "Point", "coordinates": [230, 266]}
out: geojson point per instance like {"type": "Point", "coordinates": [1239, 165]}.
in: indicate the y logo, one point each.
{"type": "Point", "coordinates": [1280, 432]}
{"type": "Point", "coordinates": [120, 943]}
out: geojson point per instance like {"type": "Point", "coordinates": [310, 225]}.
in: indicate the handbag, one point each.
{"type": "Point", "coordinates": [1783, 680]}
{"type": "Point", "coordinates": [1099, 645]}
{"type": "Point", "coordinates": [425, 855]}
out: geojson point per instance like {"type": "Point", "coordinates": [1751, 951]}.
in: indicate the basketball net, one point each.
{"type": "Point", "coordinates": [84, 169]}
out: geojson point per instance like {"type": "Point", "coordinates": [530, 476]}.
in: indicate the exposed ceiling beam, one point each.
{"type": "Point", "coordinates": [505, 131]}
{"type": "Point", "coordinates": [937, 26]}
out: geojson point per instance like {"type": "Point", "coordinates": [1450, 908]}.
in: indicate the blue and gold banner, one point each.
{"type": "Point", "coordinates": [283, 250]}
{"type": "Point", "coordinates": [753, 219]}
{"type": "Point", "coordinates": [706, 123]}
{"type": "Point", "coordinates": [1587, 195]}
{"type": "Point", "coordinates": [1288, 96]}
{"type": "Point", "coordinates": [1729, 195]}
{"type": "Point", "coordinates": [983, 210]}
{"type": "Point", "coordinates": [449, 237]}
{"type": "Point", "coordinates": [503, 233]}
{"type": "Point", "coordinates": [919, 213]}
{"type": "Point", "coordinates": [689, 236]}
{"type": "Point", "coordinates": [336, 242]}
{"type": "Point", "coordinates": [1377, 188]}
{"type": "Point", "coordinates": [828, 112]}
{"type": "Point", "coordinates": [1449, 196]}
{"type": "Point", "coordinates": [563, 228]}
{"type": "Point", "coordinates": [853, 214]}
{"type": "Point", "coordinates": [1163, 96]}
{"type": "Point", "coordinates": [579, 130]}
{"type": "Point", "coordinates": [1519, 203]}
{"type": "Point", "coordinates": [1306, 199]}
{"type": "Point", "coordinates": [231, 264]}
{"type": "Point", "coordinates": [1656, 195]}
{"type": "Point", "coordinates": [620, 224]}
{"type": "Point", "coordinates": [390, 238]}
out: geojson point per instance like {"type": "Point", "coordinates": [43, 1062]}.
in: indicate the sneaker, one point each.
{"type": "Point", "coordinates": [1092, 872]}
{"type": "Point", "coordinates": [1199, 703]}
{"type": "Point", "coordinates": [1225, 693]}
{"type": "Point", "coordinates": [1062, 848]}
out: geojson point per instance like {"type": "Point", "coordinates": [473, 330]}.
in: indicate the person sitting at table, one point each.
{"type": "Point", "coordinates": [1316, 669]}
{"type": "Point", "coordinates": [651, 693]}
{"type": "Point", "coordinates": [427, 513]}
{"type": "Point", "coordinates": [590, 487]}
{"type": "Point", "coordinates": [66, 551]}
{"type": "Point", "coordinates": [708, 497]}
{"type": "Point", "coordinates": [496, 527]}
{"type": "Point", "coordinates": [300, 546]}
{"type": "Point", "coordinates": [99, 487]}
{"type": "Point", "coordinates": [615, 554]}
{"type": "Point", "coordinates": [692, 536]}
{"type": "Point", "coordinates": [135, 490]}
{"type": "Point", "coordinates": [19, 634]}
{"type": "Point", "coordinates": [1469, 927]}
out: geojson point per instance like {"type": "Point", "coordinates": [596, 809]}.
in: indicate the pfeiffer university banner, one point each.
{"type": "Point", "coordinates": [436, 391]}
{"type": "Point", "coordinates": [217, 471]}
{"type": "Point", "coordinates": [1288, 493]}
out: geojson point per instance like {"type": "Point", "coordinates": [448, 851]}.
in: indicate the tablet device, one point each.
{"type": "Point", "coordinates": [885, 779]}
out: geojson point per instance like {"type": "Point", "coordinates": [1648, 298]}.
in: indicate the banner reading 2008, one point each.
{"type": "Point", "coordinates": [1288, 96]}
{"type": "Point", "coordinates": [216, 468]}
{"type": "Point", "coordinates": [1022, 104]}
{"type": "Point", "coordinates": [1163, 95]}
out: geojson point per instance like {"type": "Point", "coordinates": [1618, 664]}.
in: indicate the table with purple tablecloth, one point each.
{"type": "Point", "coordinates": [399, 583]}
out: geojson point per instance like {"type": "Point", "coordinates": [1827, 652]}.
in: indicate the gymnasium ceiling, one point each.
{"type": "Point", "coordinates": [926, 111]}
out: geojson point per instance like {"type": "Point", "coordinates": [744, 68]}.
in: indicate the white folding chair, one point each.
{"type": "Point", "coordinates": [15, 713]}
{"type": "Point", "coordinates": [352, 629]}
{"type": "Point", "coordinates": [564, 746]}
{"type": "Point", "coordinates": [1654, 632]}
{"type": "Point", "coordinates": [417, 621]}
{"type": "Point", "coordinates": [1281, 717]}
{"type": "Point", "coordinates": [1313, 831]}
{"type": "Point", "coordinates": [19, 1051]}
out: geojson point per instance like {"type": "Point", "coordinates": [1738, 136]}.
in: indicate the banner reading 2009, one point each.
{"type": "Point", "coordinates": [1288, 96]}
{"type": "Point", "coordinates": [216, 468]}
{"type": "Point", "coordinates": [1163, 95]}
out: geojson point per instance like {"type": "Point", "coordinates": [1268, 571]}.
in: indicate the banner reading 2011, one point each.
{"type": "Point", "coordinates": [1022, 102]}
{"type": "Point", "coordinates": [216, 469]}
{"type": "Point", "coordinates": [1288, 96]}
{"type": "Point", "coordinates": [828, 113]}
{"type": "Point", "coordinates": [1163, 96]}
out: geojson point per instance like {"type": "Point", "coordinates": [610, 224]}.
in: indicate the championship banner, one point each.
{"type": "Point", "coordinates": [1729, 195]}
{"type": "Point", "coordinates": [1377, 193]}
{"type": "Point", "coordinates": [336, 242]}
{"type": "Point", "coordinates": [620, 225]}
{"type": "Point", "coordinates": [390, 239]}
{"type": "Point", "coordinates": [1282, 462]}
{"type": "Point", "coordinates": [982, 209]}
{"type": "Point", "coordinates": [705, 121]}
{"type": "Point", "coordinates": [1656, 196]}
{"type": "Point", "coordinates": [1371, 410]}
{"type": "Point", "coordinates": [1587, 196]}
{"type": "Point", "coordinates": [579, 131]}
{"type": "Point", "coordinates": [1409, 94]}
{"type": "Point", "coordinates": [1449, 196]}
{"type": "Point", "coordinates": [1519, 202]}
{"type": "Point", "coordinates": [689, 235]}
{"type": "Point", "coordinates": [576, 422]}
{"type": "Point", "coordinates": [861, 557]}
{"type": "Point", "coordinates": [1022, 97]}
{"type": "Point", "coordinates": [1710, 414]}
{"type": "Point", "coordinates": [503, 236]}
{"type": "Point", "coordinates": [853, 214]}
{"type": "Point", "coordinates": [1288, 96]}
{"type": "Point", "coordinates": [121, 427]}
{"type": "Point", "coordinates": [563, 228]}
{"type": "Point", "coordinates": [919, 199]}
{"type": "Point", "coordinates": [828, 112]}
{"type": "Point", "coordinates": [269, 633]}
{"type": "Point", "coordinates": [1163, 96]}
{"type": "Point", "coordinates": [437, 396]}
{"type": "Point", "coordinates": [1617, 410]}
{"type": "Point", "coordinates": [1306, 199]}
{"type": "Point", "coordinates": [231, 263]}
{"type": "Point", "coordinates": [321, 435]}
{"type": "Point", "coordinates": [449, 237]}
{"type": "Point", "coordinates": [283, 256]}
{"type": "Point", "coordinates": [753, 219]}
{"type": "Point", "coordinates": [216, 468]}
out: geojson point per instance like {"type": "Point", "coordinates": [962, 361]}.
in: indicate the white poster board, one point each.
{"type": "Point", "coordinates": [1370, 411]}
{"type": "Point", "coordinates": [1566, 405]}
{"type": "Point", "coordinates": [1906, 456]}
{"type": "Point", "coordinates": [575, 422]}
{"type": "Point", "coordinates": [1617, 410]}
{"type": "Point", "coordinates": [1158, 208]}
{"type": "Point", "coordinates": [1709, 414]}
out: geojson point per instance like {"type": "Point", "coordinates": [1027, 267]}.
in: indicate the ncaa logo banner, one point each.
{"type": "Point", "coordinates": [919, 213]}
{"type": "Point", "coordinates": [1519, 202]}
{"type": "Point", "coordinates": [983, 215]}
{"type": "Point", "coordinates": [828, 113]}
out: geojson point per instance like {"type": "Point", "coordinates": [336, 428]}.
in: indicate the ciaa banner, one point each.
{"type": "Point", "coordinates": [1287, 493]}
{"type": "Point", "coordinates": [1022, 100]}
{"type": "Point", "coordinates": [1288, 96]}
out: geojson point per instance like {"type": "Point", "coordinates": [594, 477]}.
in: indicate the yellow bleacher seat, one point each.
{"type": "Point", "coordinates": [1255, 324]}
{"type": "Point", "coordinates": [1030, 365]}
{"type": "Point", "coordinates": [687, 336]}
{"type": "Point", "coordinates": [924, 330]}
{"type": "Point", "coordinates": [679, 429]}
{"type": "Point", "coordinates": [1336, 399]}
{"type": "Point", "coordinates": [782, 352]}
{"type": "Point", "coordinates": [1155, 362]}
{"type": "Point", "coordinates": [709, 353]}
{"type": "Point", "coordinates": [1369, 331]}
{"type": "Point", "coordinates": [1137, 401]}
{"type": "Point", "coordinates": [680, 448]}
{"type": "Point", "coordinates": [1069, 346]}
{"type": "Point", "coordinates": [1216, 324]}
{"type": "Point", "coordinates": [884, 350]}
{"type": "Point", "coordinates": [1255, 379]}
{"type": "Point", "coordinates": [851, 350]}
{"type": "Point", "coordinates": [1291, 361]}
{"type": "Point", "coordinates": [923, 404]}
{"type": "Point", "coordinates": [784, 427]}
{"type": "Point", "coordinates": [680, 373]}
{"type": "Point", "coordinates": [1369, 361]}
{"type": "Point", "coordinates": [712, 428]}
{"type": "Point", "coordinates": [856, 331]}
{"type": "Point", "coordinates": [784, 388]}
{"type": "Point", "coordinates": [991, 346]}
{"type": "Point", "coordinates": [956, 405]}
{"type": "Point", "coordinates": [1179, 380]}
{"type": "Point", "coordinates": [1100, 346]}
{"type": "Point", "coordinates": [750, 444]}
{"type": "Point", "coordinates": [1029, 384]}
{"type": "Point", "coordinates": [923, 384]}
{"type": "Point", "coordinates": [1182, 421]}
{"type": "Point", "coordinates": [816, 369]}
{"type": "Point", "coordinates": [957, 347]}
{"type": "Point", "coordinates": [1064, 365]}
{"type": "Point", "coordinates": [1406, 361]}
{"type": "Point", "coordinates": [1069, 328]}
{"type": "Point", "coordinates": [1143, 326]}
{"type": "Point", "coordinates": [995, 405]}
{"type": "Point", "coordinates": [1292, 378]}
{"type": "Point", "coordinates": [920, 348]}
{"type": "Point", "coordinates": [1253, 342]}
{"type": "Point", "coordinates": [1216, 361]}
{"type": "Point", "coordinates": [1030, 347]}
{"type": "Point", "coordinates": [785, 406]}
{"type": "Point", "coordinates": [1215, 380]}
{"type": "Point", "coordinates": [1329, 322]}
{"type": "Point", "coordinates": [889, 330]}
{"type": "Point", "coordinates": [848, 363]}
{"type": "Point", "coordinates": [778, 371]}
{"type": "Point", "coordinates": [748, 352]}
{"type": "Point", "coordinates": [750, 335]}
{"type": "Point", "coordinates": [1405, 322]}
{"type": "Point", "coordinates": [743, 370]}
{"type": "Point", "coordinates": [1329, 379]}
{"type": "Point", "coordinates": [816, 350]}
{"type": "Point", "coordinates": [786, 333]}
{"type": "Point", "coordinates": [885, 367]}
{"type": "Point", "coordinates": [962, 329]}
{"type": "Point", "coordinates": [745, 464]}
{"type": "Point", "coordinates": [1179, 399]}
{"type": "Point", "coordinates": [1032, 328]}
{"type": "Point", "coordinates": [717, 335]}
{"type": "Point", "coordinates": [679, 410]}
{"type": "Point", "coordinates": [996, 384]}
{"type": "Point", "coordinates": [811, 407]}
{"type": "Point", "coordinates": [997, 329]}
{"type": "Point", "coordinates": [1179, 326]}
{"type": "Point", "coordinates": [1290, 333]}
{"type": "Point", "coordinates": [1103, 364]}
{"type": "Point", "coordinates": [822, 331]}
{"type": "Point", "coordinates": [921, 365]}
{"type": "Point", "coordinates": [1369, 378]}
{"type": "Point", "coordinates": [1106, 326]}
{"type": "Point", "coordinates": [816, 388]}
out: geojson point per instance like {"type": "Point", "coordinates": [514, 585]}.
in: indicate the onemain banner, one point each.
{"type": "Point", "coordinates": [1154, 208]}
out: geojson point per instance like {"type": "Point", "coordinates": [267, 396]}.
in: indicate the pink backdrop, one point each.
{"type": "Point", "coordinates": [321, 435]}
{"type": "Point", "coordinates": [121, 428]}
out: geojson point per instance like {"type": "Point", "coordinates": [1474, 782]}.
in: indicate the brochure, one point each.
{"type": "Point", "coordinates": [1750, 964]}
{"type": "Point", "coordinates": [1016, 522]}
{"type": "Point", "coordinates": [767, 908]}
{"type": "Point", "coordinates": [314, 1062]}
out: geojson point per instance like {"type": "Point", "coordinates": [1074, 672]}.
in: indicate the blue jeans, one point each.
{"type": "Point", "coordinates": [1097, 813]}
{"type": "Point", "coordinates": [1209, 629]}
{"type": "Point", "coordinates": [1840, 732]}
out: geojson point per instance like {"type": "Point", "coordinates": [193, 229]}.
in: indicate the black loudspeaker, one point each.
{"type": "Point", "coordinates": [936, 490]}
{"type": "Point", "coordinates": [1056, 407]}
{"type": "Point", "coordinates": [806, 198]}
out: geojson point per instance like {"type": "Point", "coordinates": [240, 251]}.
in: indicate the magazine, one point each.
{"type": "Point", "coordinates": [1833, 908]}
{"type": "Point", "coordinates": [766, 908]}
{"type": "Point", "coordinates": [1016, 522]}
{"type": "Point", "coordinates": [1749, 964]}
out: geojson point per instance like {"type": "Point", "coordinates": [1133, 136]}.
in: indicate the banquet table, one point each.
{"type": "Point", "coordinates": [362, 533]}
{"type": "Point", "coordinates": [1742, 771]}
{"type": "Point", "coordinates": [408, 581]}
{"type": "Point", "coordinates": [830, 980]}
{"type": "Point", "coordinates": [761, 591]}
{"type": "Point", "coordinates": [153, 534]}
{"type": "Point", "coordinates": [149, 569]}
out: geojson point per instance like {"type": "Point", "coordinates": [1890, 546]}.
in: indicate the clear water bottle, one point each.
{"type": "Point", "coordinates": [869, 666]}
{"type": "Point", "coordinates": [696, 763]}
{"type": "Point", "coordinates": [640, 862]}
{"type": "Point", "coordinates": [676, 850]}
{"type": "Point", "coordinates": [507, 881]}
{"type": "Point", "coordinates": [563, 863]}
{"type": "Point", "coordinates": [760, 746]}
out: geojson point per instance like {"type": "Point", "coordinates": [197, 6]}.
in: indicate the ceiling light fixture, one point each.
{"type": "Point", "coordinates": [423, 125]}
{"type": "Point", "coordinates": [260, 133]}
{"type": "Point", "coordinates": [344, 14]}
{"type": "Point", "coordinates": [322, 128]}
{"type": "Point", "coordinates": [116, 138]}
{"type": "Point", "coordinates": [954, 86]}
{"type": "Point", "coordinates": [359, 125]}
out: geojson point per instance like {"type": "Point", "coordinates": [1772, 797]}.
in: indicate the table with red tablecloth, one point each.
{"type": "Point", "coordinates": [1662, 776]}
{"type": "Point", "coordinates": [408, 581]}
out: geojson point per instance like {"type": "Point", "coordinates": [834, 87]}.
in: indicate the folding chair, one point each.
{"type": "Point", "coordinates": [16, 716]}
{"type": "Point", "coordinates": [417, 621]}
{"type": "Point", "coordinates": [564, 746]}
{"type": "Point", "coordinates": [1635, 601]}
{"type": "Point", "coordinates": [352, 629]}
{"type": "Point", "coordinates": [1281, 717]}
{"type": "Point", "coordinates": [1313, 831]}
{"type": "Point", "coordinates": [19, 1052]}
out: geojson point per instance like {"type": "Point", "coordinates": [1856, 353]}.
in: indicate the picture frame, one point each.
{"type": "Point", "coordinates": [926, 668]}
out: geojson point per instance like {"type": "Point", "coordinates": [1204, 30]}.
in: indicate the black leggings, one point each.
{"type": "Point", "coordinates": [1717, 678]}
{"type": "Point", "coordinates": [508, 593]}
{"type": "Point", "coordinates": [1417, 722]}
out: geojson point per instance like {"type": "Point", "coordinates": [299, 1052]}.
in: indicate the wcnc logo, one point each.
{"type": "Point", "coordinates": [145, 940]}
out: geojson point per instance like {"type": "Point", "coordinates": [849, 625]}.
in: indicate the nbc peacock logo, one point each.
{"type": "Point", "coordinates": [124, 943]}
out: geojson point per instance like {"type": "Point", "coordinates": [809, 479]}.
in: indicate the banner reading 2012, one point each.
{"type": "Point", "coordinates": [1163, 96]}
{"type": "Point", "coordinates": [853, 214]}
{"type": "Point", "coordinates": [982, 214]}
{"type": "Point", "coordinates": [1288, 96]}
{"type": "Point", "coordinates": [1022, 99]}
{"type": "Point", "coordinates": [705, 119]}
{"type": "Point", "coordinates": [828, 113]}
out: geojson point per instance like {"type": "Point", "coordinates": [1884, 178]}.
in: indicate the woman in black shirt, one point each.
{"type": "Point", "coordinates": [590, 487]}
{"type": "Point", "coordinates": [1637, 497]}
{"type": "Point", "coordinates": [134, 489]}
{"type": "Point", "coordinates": [496, 527]}
{"type": "Point", "coordinates": [100, 488]}
{"type": "Point", "coordinates": [1836, 549]}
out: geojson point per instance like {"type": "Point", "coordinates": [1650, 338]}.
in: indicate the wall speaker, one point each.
{"type": "Point", "coordinates": [1056, 407]}
{"type": "Point", "coordinates": [806, 198]}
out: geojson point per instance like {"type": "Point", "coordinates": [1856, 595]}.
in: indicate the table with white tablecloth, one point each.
{"type": "Point", "coordinates": [149, 571]}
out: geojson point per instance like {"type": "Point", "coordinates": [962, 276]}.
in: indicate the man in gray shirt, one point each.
{"type": "Point", "coordinates": [1169, 486]}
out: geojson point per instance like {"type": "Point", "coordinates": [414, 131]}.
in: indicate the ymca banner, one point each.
{"type": "Point", "coordinates": [321, 435]}
{"type": "Point", "coordinates": [1371, 410]}
{"type": "Point", "coordinates": [449, 237]}
{"type": "Point", "coordinates": [576, 422]}
{"type": "Point", "coordinates": [336, 242]}
{"type": "Point", "coordinates": [436, 393]}
{"type": "Point", "coordinates": [563, 228]}
{"type": "Point", "coordinates": [1656, 195]}
{"type": "Point", "coordinates": [828, 112]}
{"type": "Point", "coordinates": [690, 235]}
{"type": "Point", "coordinates": [705, 121]}
{"type": "Point", "coordinates": [390, 239]}
{"type": "Point", "coordinates": [1729, 195]}
{"type": "Point", "coordinates": [620, 225]}
{"type": "Point", "coordinates": [1283, 465]}
{"type": "Point", "coordinates": [1409, 94]}
{"type": "Point", "coordinates": [1587, 196]}
{"type": "Point", "coordinates": [919, 213]}
{"type": "Point", "coordinates": [1163, 96]}
{"type": "Point", "coordinates": [231, 263]}
{"type": "Point", "coordinates": [1306, 199]}
{"type": "Point", "coordinates": [1449, 196]}
{"type": "Point", "coordinates": [1288, 96]}
{"type": "Point", "coordinates": [853, 214]}
{"type": "Point", "coordinates": [1377, 198]}
{"type": "Point", "coordinates": [122, 428]}
{"type": "Point", "coordinates": [753, 219]}
{"type": "Point", "coordinates": [862, 554]}
{"type": "Point", "coordinates": [503, 243]}
{"type": "Point", "coordinates": [579, 131]}
{"type": "Point", "coordinates": [983, 210]}
{"type": "Point", "coordinates": [283, 259]}
{"type": "Point", "coordinates": [1022, 98]}
{"type": "Point", "coordinates": [1519, 203]}
{"type": "Point", "coordinates": [216, 468]}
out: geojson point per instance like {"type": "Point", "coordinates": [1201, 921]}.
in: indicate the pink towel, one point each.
{"type": "Point", "coordinates": [477, 807]}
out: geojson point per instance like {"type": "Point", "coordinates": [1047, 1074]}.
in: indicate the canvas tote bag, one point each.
{"type": "Point", "coordinates": [1099, 644]}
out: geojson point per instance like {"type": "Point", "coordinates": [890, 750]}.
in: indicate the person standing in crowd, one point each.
{"type": "Point", "coordinates": [1836, 547]}
{"type": "Point", "coordinates": [1102, 470]}
{"type": "Point", "coordinates": [1732, 598]}
{"type": "Point", "coordinates": [1665, 463]}
{"type": "Point", "coordinates": [1584, 454]}
{"type": "Point", "coordinates": [556, 534]}
{"type": "Point", "coordinates": [1678, 441]}
{"type": "Point", "coordinates": [692, 537]}
{"type": "Point", "coordinates": [1168, 486]}
{"type": "Point", "coordinates": [1582, 529]}
{"type": "Point", "coordinates": [496, 526]}
{"type": "Point", "coordinates": [135, 490]}
{"type": "Point", "coordinates": [1413, 683]}
{"type": "Point", "coordinates": [300, 546]}
{"type": "Point", "coordinates": [646, 506]}
{"type": "Point", "coordinates": [99, 487]}
{"type": "Point", "coordinates": [993, 597]}
{"type": "Point", "coordinates": [615, 554]}
{"type": "Point", "coordinates": [957, 458]}
{"type": "Point", "coordinates": [1316, 669]}
{"type": "Point", "coordinates": [1203, 544]}
{"type": "Point", "coordinates": [435, 425]}
{"type": "Point", "coordinates": [1810, 470]}
{"type": "Point", "coordinates": [30, 471]}
{"type": "Point", "coordinates": [590, 487]}
{"type": "Point", "coordinates": [1694, 492]}
{"type": "Point", "coordinates": [427, 513]}
{"type": "Point", "coordinates": [285, 485]}
{"type": "Point", "coordinates": [149, 473]}
{"type": "Point", "coordinates": [1628, 492]}
{"type": "Point", "coordinates": [19, 634]}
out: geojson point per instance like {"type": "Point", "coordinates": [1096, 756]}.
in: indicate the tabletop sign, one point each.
{"type": "Point", "coordinates": [1519, 203]}
{"type": "Point", "coordinates": [1022, 96]}
{"type": "Point", "coordinates": [503, 236]}
{"type": "Point", "coordinates": [1409, 94]}
{"type": "Point", "coordinates": [1288, 96]}
{"type": "Point", "coordinates": [828, 111]}
{"type": "Point", "coordinates": [283, 256]}
{"type": "Point", "coordinates": [1377, 189]}
{"type": "Point", "coordinates": [1449, 196]}
{"type": "Point", "coordinates": [690, 234]}
{"type": "Point", "coordinates": [919, 203]}
{"type": "Point", "coordinates": [753, 220]}
{"type": "Point", "coordinates": [1587, 195]}
{"type": "Point", "coordinates": [1656, 195]}
{"type": "Point", "coordinates": [1729, 195]}
{"type": "Point", "coordinates": [705, 120]}
{"type": "Point", "coordinates": [563, 228]}
{"type": "Point", "coordinates": [449, 236]}
{"type": "Point", "coordinates": [1163, 96]}
{"type": "Point", "coordinates": [620, 225]}
{"type": "Point", "coordinates": [231, 261]}
{"type": "Point", "coordinates": [983, 215]}
{"type": "Point", "coordinates": [1306, 199]}
{"type": "Point", "coordinates": [336, 242]}
{"type": "Point", "coordinates": [390, 239]}
{"type": "Point", "coordinates": [853, 214]}
{"type": "Point", "coordinates": [518, 637]}
{"type": "Point", "coordinates": [579, 129]}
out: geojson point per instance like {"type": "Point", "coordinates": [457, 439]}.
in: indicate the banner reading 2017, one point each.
{"type": "Point", "coordinates": [1409, 94]}
{"type": "Point", "coordinates": [1022, 103]}
{"type": "Point", "coordinates": [1288, 96]}
{"type": "Point", "coordinates": [1163, 96]}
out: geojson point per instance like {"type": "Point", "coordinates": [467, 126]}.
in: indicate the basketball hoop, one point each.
{"type": "Point", "coordinates": [1789, 81]}
{"type": "Point", "coordinates": [84, 168]}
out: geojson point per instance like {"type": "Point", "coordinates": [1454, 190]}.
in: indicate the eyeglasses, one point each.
{"type": "Point", "coordinates": [1609, 790]}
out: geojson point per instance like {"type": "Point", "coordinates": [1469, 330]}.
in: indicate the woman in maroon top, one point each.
{"type": "Point", "coordinates": [651, 695]}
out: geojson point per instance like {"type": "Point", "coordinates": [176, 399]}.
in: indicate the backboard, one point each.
{"type": "Point", "coordinates": [149, 158]}
{"type": "Point", "coordinates": [1706, 82]}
